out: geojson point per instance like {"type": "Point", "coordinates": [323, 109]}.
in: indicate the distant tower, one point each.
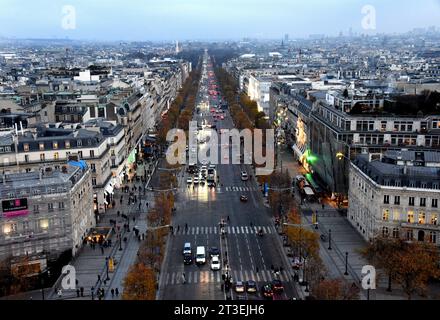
{"type": "Point", "coordinates": [178, 49]}
{"type": "Point", "coordinates": [286, 38]}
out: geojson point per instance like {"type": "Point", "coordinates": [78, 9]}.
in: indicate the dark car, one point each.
{"type": "Point", "coordinates": [251, 287]}
{"type": "Point", "coordinates": [187, 259]}
{"type": "Point", "coordinates": [214, 251]}
{"type": "Point", "coordinates": [244, 199]}
{"type": "Point", "coordinates": [277, 286]}
{"type": "Point", "coordinates": [267, 291]}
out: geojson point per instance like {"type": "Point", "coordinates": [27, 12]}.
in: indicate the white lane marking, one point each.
{"type": "Point", "coordinates": [247, 231]}
{"type": "Point", "coordinates": [242, 229]}
{"type": "Point", "coordinates": [206, 230]}
{"type": "Point", "coordinates": [189, 277]}
{"type": "Point", "coordinates": [238, 230]}
{"type": "Point", "coordinates": [246, 275]}
{"type": "Point", "coordinates": [196, 274]}
{"type": "Point", "coordinates": [197, 232]}
{"type": "Point", "coordinates": [215, 230]}
{"type": "Point", "coordinates": [173, 276]}
{"type": "Point", "coordinates": [263, 275]}
{"type": "Point", "coordinates": [167, 278]}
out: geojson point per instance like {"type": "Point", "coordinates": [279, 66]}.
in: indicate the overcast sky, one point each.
{"type": "Point", "coordinates": [203, 19]}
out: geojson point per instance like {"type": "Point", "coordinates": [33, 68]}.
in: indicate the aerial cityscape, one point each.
{"type": "Point", "coordinates": [233, 152]}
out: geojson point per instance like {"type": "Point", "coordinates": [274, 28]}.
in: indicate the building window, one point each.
{"type": "Point", "coordinates": [42, 157]}
{"type": "Point", "coordinates": [93, 167]}
{"type": "Point", "coordinates": [67, 144]}
{"type": "Point", "coordinates": [92, 153]}
{"type": "Point", "coordinates": [56, 156]}
{"type": "Point", "coordinates": [41, 146]}
{"type": "Point", "coordinates": [44, 224]}
{"type": "Point", "coordinates": [55, 145]}
{"type": "Point", "coordinates": [409, 235]}
{"type": "Point", "coordinates": [422, 217]}
{"type": "Point", "coordinates": [423, 202]}
{"type": "Point", "coordinates": [61, 205]}
{"type": "Point", "coordinates": [433, 237]}
{"type": "Point", "coordinates": [434, 203]}
{"type": "Point", "coordinates": [434, 219]}
{"type": "Point", "coordinates": [80, 154]}
{"type": "Point", "coordinates": [396, 215]}
{"type": "Point", "coordinates": [396, 233]}
{"type": "Point", "coordinates": [397, 200]}
{"type": "Point", "coordinates": [386, 199]}
{"type": "Point", "coordinates": [79, 143]}
{"type": "Point", "coordinates": [410, 217]}
{"type": "Point", "coordinates": [26, 158]}
{"type": "Point", "coordinates": [386, 215]}
{"type": "Point", "coordinates": [26, 147]}
{"type": "Point", "coordinates": [36, 208]}
{"type": "Point", "coordinates": [411, 201]}
{"type": "Point", "coordinates": [94, 181]}
{"type": "Point", "coordinates": [385, 232]}
{"type": "Point", "coordinates": [9, 228]}
{"type": "Point", "coordinates": [50, 207]}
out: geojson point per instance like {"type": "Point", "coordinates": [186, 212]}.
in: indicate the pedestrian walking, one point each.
{"type": "Point", "coordinates": [272, 267]}
{"type": "Point", "coordinates": [77, 293]}
{"type": "Point", "coordinates": [102, 249]}
{"type": "Point", "coordinates": [82, 291]}
{"type": "Point", "coordinates": [258, 270]}
{"type": "Point", "coordinates": [178, 228]}
{"type": "Point", "coordinates": [112, 292]}
{"type": "Point", "coordinates": [147, 205]}
{"type": "Point", "coordinates": [117, 292]}
{"type": "Point", "coordinates": [99, 278]}
{"type": "Point", "coordinates": [323, 206]}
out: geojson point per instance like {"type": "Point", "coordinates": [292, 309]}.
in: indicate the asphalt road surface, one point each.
{"type": "Point", "coordinates": [249, 256]}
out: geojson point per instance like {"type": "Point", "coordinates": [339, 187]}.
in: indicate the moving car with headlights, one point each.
{"type": "Point", "coordinates": [188, 259]}
{"type": "Point", "coordinates": [251, 287]}
{"type": "Point", "coordinates": [240, 287]}
{"type": "Point", "coordinates": [244, 176]}
{"type": "Point", "coordinates": [243, 198]}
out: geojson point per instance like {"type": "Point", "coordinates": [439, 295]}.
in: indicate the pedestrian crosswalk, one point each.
{"type": "Point", "coordinates": [204, 277]}
{"type": "Point", "coordinates": [241, 189]}
{"type": "Point", "coordinates": [224, 189]}
{"type": "Point", "coordinates": [229, 230]}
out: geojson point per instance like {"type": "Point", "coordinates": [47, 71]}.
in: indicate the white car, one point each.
{"type": "Point", "coordinates": [244, 176]}
{"type": "Point", "coordinates": [196, 180]}
{"type": "Point", "coordinates": [189, 180]}
{"type": "Point", "coordinates": [215, 263]}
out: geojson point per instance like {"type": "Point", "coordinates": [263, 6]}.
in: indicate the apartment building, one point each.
{"type": "Point", "coordinates": [45, 213]}
{"type": "Point", "coordinates": [396, 194]}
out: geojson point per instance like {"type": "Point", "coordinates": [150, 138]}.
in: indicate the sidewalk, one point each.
{"type": "Point", "coordinates": [92, 262]}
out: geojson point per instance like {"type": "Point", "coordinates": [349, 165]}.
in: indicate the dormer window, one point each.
{"type": "Point", "coordinates": [41, 146]}
{"type": "Point", "coordinates": [79, 143]}
{"type": "Point", "coordinates": [55, 145]}
{"type": "Point", "coordinates": [67, 144]}
{"type": "Point", "coordinates": [26, 147]}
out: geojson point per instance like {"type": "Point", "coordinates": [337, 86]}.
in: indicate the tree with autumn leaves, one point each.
{"type": "Point", "coordinates": [140, 283]}
{"type": "Point", "coordinates": [335, 289]}
{"type": "Point", "coordinates": [409, 264]}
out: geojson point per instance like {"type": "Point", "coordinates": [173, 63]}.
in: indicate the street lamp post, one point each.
{"type": "Point", "coordinates": [107, 267]}
{"type": "Point", "coordinates": [330, 239]}
{"type": "Point", "coordinates": [346, 264]}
